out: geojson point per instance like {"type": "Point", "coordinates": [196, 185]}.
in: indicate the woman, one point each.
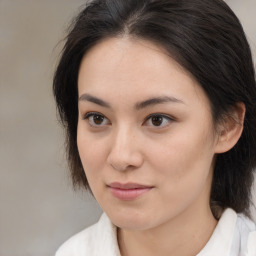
{"type": "Point", "coordinates": [158, 101]}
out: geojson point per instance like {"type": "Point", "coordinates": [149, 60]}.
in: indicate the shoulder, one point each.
{"type": "Point", "coordinates": [246, 230]}
{"type": "Point", "coordinates": [243, 233]}
{"type": "Point", "coordinates": [99, 239]}
{"type": "Point", "coordinates": [234, 235]}
{"type": "Point", "coordinates": [81, 242]}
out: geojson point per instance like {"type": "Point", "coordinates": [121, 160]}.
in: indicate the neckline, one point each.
{"type": "Point", "coordinates": [221, 240]}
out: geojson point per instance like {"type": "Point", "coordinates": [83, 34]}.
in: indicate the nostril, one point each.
{"type": "Point", "coordinates": [119, 168]}
{"type": "Point", "coordinates": [128, 162]}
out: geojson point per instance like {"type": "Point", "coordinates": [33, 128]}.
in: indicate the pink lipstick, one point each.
{"type": "Point", "coordinates": [128, 191]}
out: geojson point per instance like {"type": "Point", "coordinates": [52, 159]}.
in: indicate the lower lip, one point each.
{"type": "Point", "coordinates": [128, 194]}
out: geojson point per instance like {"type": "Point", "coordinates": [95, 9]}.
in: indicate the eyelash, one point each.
{"type": "Point", "coordinates": [163, 116]}
{"type": "Point", "coordinates": [147, 119]}
{"type": "Point", "coordinates": [91, 114]}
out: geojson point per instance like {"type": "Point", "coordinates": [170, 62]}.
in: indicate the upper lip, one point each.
{"type": "Point", "coordinates": [128, 185]}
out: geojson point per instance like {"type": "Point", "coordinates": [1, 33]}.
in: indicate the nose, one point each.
{"type": "Point", "coordinates": [125, 153]}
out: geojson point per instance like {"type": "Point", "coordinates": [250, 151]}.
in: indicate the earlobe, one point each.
{"type": "Point", "coordinates": [230, 129]}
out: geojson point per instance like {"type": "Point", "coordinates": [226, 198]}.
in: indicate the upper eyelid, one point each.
{"type": "Point", "coordinates": [160, 114]}
{"type": "Point", "coordinates": [88, 114]}
{"type": "Point", "coordinates": [91, 113]}
{"type": "Point", "coordinates": [169, 118]}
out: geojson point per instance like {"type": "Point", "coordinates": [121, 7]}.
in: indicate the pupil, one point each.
{"type": "Point", "coordinates": [98, 119]}
{"type": "Point", "coordinates": [157, 120]}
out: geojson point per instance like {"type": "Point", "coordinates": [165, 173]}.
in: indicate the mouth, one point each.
{"type": "Point", "coordinates": [128, 191]}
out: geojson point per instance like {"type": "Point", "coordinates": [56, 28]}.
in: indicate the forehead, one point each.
{"type": "Point", "coordinates": [122, 58]}
{"type": "Point", "coordinates": [134, 69]}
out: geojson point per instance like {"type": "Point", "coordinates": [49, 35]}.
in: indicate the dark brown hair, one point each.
{"type": "Point", "coordinates": [204, 37]}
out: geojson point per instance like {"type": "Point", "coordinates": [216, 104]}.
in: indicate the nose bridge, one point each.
{"type": "Point", "coordinates": [123, 139]}
{"type": "Point", "coordinates": [125, 148]}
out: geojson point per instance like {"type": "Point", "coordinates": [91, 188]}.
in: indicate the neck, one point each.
{"type": "Point", "coordinates": [184, 235]}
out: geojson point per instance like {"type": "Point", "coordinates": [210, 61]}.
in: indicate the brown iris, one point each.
{"type": "Point", "coordinates": [157, 120]}
{"type": "Point", "coordinates": [98, 119]}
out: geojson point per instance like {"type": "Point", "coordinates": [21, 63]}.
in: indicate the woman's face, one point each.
{"type": "Point", "coordinates": [145, 134]}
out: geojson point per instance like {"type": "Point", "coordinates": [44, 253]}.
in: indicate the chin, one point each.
{"type": "Point", "coordinates": [131, 220]}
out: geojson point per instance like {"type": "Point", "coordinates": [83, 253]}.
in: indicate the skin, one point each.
{"type": "Point", "coordinates": [175, 158]}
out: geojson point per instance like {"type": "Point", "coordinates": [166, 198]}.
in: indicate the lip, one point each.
{"type": "Point", "coordinates": [128, 191]}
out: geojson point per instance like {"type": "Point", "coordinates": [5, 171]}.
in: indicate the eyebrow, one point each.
{"type": "Point", "coordinates": [157, 100]}
{"type": "Point", "coordinates": [90, 98]}
{"type": "Point", "coordinates": [138, 106]}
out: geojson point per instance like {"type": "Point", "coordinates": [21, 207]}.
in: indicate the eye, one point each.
{"type": "Point", "coordinates": [158, 120]}
{"type": "Point", "coordinates": [96, 119]}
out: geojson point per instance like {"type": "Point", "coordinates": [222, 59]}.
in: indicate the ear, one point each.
{"type": "Point", "coordinates": [230, 129]}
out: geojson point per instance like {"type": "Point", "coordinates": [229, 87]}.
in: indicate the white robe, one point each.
{"type": "Point", "coordinates": [234, 235]}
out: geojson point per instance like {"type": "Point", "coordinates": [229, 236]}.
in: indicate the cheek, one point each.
{"type": "Point", "coordinates": [184, 159]}
{"type": "Point", "coordinates": [183, 172]}
{"type": "Point", "coordinates": [92, 153]}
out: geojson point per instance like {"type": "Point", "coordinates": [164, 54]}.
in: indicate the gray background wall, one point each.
{"type": "Point", "coordinates": [38, 208]}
